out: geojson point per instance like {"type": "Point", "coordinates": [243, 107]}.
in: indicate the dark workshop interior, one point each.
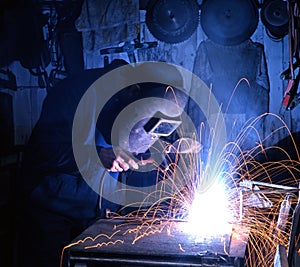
{"type": "Point", "coordinates": [150, 133]}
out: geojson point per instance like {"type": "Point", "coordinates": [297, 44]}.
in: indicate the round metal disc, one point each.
{"type": "Point", "coordinates": [274, 16]}
{"type": "Point", "coordinates": [229, 22]}
{"type": "Point", "coordinates": [172, 21]}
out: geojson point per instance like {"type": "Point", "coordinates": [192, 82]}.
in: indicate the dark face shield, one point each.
{"type": "Point", "coordinates": [137, 116]}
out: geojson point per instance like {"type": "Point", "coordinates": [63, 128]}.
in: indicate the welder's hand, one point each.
{"type": "Point", "coordinates": [117, 159]}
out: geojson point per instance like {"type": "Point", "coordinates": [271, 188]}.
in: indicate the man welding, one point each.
{"type": "Point", "coordinates": [55, 203]}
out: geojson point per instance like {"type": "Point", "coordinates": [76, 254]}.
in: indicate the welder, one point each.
{"type": "Point", "coordinates": [55, 204]}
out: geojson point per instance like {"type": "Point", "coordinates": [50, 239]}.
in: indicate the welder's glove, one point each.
{"type": "Point", "coordinates": [117, 159]}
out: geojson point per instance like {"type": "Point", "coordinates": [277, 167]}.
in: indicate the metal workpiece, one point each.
{"type": "Point", "coordinates": [126, 242]}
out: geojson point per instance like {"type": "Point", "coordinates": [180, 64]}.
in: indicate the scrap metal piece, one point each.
{"type": "Point", "coordinates": [284, 211]}
{"type": "Point", "coordinates": [281, 257]}
{"type": "Point", "coordinates": [294, 243]}
{"type": "Point", "coordinates": [255, 198]}
{"type": "Point", "coordinates": [238, 239]}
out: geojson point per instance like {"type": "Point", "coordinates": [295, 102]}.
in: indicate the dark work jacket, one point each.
{"type": "Point", "coordinates": [49, 150]}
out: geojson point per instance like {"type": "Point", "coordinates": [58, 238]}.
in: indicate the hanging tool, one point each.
{"type": "Point", "coordinates": [10, 82]}
{"type": "Point", "coordinates": [229, 22]}
{"type": "Point", "coordinates": [291, 98]}
{"type": "Point", "coordinates": [129, 48]}
{"type": "Point", "coordinates": [172, 21]}
{"type": "Point", "coordinates": [274, 16]}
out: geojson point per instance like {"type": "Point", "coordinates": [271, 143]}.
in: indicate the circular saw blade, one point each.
{"type": "Point", "coordinates": [172, 21]}
{"type": "Point", "coordinates": [229, 22]}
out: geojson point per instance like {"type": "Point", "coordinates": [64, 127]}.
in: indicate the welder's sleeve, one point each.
{"type": "Point", "coordinates": [100, 141]}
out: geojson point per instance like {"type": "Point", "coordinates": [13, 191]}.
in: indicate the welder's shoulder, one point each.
{"type": "Point", "coordinates": [80, 82]}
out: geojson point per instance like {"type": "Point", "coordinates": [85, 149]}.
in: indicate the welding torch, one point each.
{"type": "Point", "coordinates": [183, 145]}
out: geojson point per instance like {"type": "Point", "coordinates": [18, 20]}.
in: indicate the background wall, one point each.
{"type": "Point", "coordinates": [28, 97]}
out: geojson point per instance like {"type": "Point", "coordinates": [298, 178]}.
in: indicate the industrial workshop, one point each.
{"type": "Point", "coordinates": [139, 133]}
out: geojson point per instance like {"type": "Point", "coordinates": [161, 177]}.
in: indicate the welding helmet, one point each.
{"type": "Point", "coordinates": [148, 110]}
